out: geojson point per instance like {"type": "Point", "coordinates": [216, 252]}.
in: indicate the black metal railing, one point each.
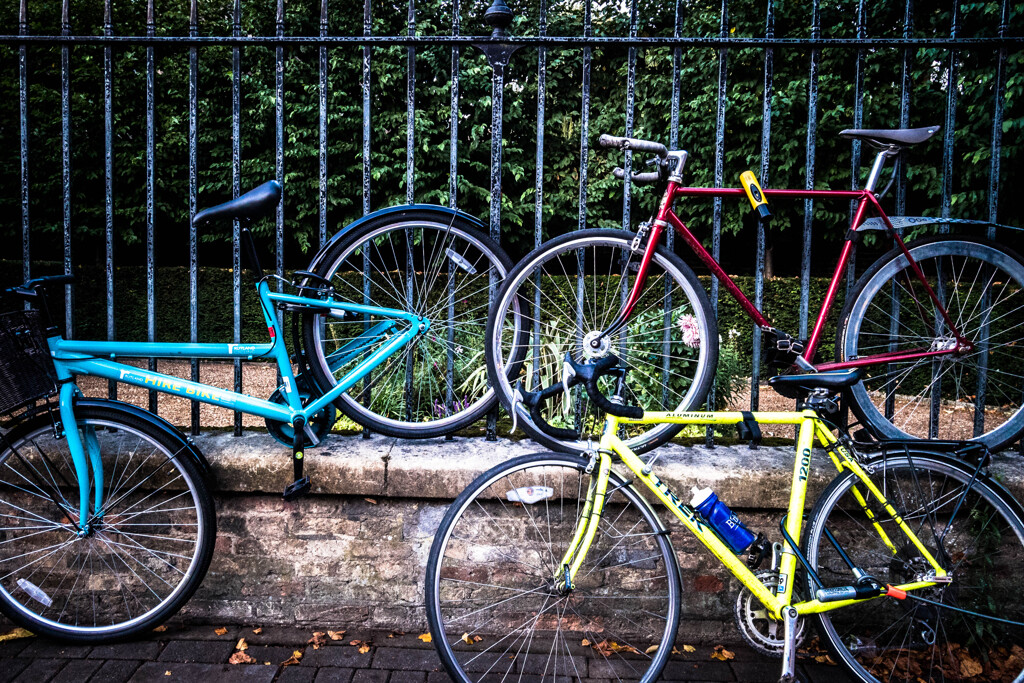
{"type": "Point", "coordinates": [991, 50]}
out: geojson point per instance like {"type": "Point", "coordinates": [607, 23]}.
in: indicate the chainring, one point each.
{"type": "Point", "coordinates": [764, 634]}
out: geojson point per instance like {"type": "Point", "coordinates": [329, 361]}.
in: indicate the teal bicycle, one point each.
{"type": "Point", "coordinates": [107, 523]}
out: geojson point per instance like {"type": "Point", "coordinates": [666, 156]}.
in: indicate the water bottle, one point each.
{"type": "Point", "coordinates": [723, 520]}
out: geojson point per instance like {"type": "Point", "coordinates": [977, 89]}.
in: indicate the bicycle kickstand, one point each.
{"type": "Point", "coordinates": [301, 484]}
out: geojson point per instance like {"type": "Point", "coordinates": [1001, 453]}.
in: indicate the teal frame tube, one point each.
{"type": "Point", "coordinates": [96, 359]}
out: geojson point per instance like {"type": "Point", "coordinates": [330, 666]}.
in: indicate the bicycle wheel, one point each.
{"type": "Point", "coordinates": [565, 293]}
{"type": "Point", "coordinates": [437, 266]}
{"type": "Point", "coordinates": [494, 609]}
{"type": "Point", "coordinates": [145, 554]}
{"type": "Point", "coordinates": [976, 395]}
{"type": "Point", "coordinates": [974, 528]}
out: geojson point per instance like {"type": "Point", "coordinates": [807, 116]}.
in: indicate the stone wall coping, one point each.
{"type": "Point", "coordinates": [439, 469]}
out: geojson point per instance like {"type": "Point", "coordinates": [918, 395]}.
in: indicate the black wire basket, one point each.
{"type": "Point", "coordinates": [26, 369]}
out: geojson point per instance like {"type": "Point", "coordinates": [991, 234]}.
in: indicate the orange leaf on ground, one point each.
{"type": "Point", "coordinates": [721, 654]}
{"type": "Point", "coordinates": [425, 637]}
{"type": "Point", "coordinates": [241, 658]}
{"type": "Point", "coordinates": [364, 649]}
{"type": "Point", "coordinates": [258, 630]}
{"type": "Point", "coordinates": [335, 635]}
{"type": "Point", "coordinates": [371, 501]}
{"type": "Point", "coordinates": [220, 631]}
{"type": "Point", "coordinates": [466, 639]}
{"type": "Point", "coordinates": [651, 650]}
{"type": "Point", "coordinates": [355, 643]}
{"type": "Point", "coordinates": [160, 629]}
{"type": "Point", "coordinates": [585, 643]}
{"type": "Point", "coordinates": [689, 648]}
{"type": "Point", "coordinates": [242, 645]}
{"type": "Point", "coordinates": [294, 659]}
{"type": "Point", "coordinates": [318, 640]}
{"type": "Point", "coordinates": [16, 634]}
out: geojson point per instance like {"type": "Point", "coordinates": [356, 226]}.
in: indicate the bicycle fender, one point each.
{"type": "Point", "coordinates": [172, 432]}
{"type": "Point", "coordinates": [443, 213]}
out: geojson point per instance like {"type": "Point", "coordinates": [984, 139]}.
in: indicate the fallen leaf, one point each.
{"type": "Point", "coordinates": [241, 658]}
{"type": "Point", "coordinates": [160, 629]}
{"type": "Point", "coordinates": [585, 643]}
{"type": "Point", "coordinates": [220, 631]}
{"type": "Point", "coordinates": [466, 639]}
{"type": "Point", "coordinates": [364, 649]}
{"type": "Point", "coordinates": [970, 667]}
{"type": "Point", "coordinates": [294, 659]}
{"type": "Point", "coordinates": [335, 635]}
{"type": "Point", "coordinates": [242, 645]}
{"type": "Point", "coordinates": [396, 633]}
{"type": "Point", "coordinates": [477, 639]}
{"type": "Point", "coordinates": [318, 640]}
{"type": "Point", "coordinates": [689, 648]}
{"type": "Point", "coordinates": [167, 673]}
{"type": "Point", "coordinates": [266, 663]}
{"type": "Point", "coordinates": [425, 637]}
{"type": "Point", "coordinates": [371, 501]}
{"type": "Point", "coordinates": [15, 634]}
{"type": "Point", "coordinates": [721, 654]}
{"type": "Point", "coordinates": [651, 650]}
{"type": "Point", "coordinates": [258, 630]}
{"type": "Point", "coordinates": [355, 643]}
{"type": "Point", "coordinates": [675, 651]}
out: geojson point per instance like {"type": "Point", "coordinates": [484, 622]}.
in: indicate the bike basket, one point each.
{"type": "Point", "coordinates": [26, 369]}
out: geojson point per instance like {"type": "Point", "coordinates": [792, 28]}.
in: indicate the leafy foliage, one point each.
{"type": "Point", "coordinates": [929, 78]}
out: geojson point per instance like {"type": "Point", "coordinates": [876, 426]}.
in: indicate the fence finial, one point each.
{"type": "Point", "coordinates": [498, 16]}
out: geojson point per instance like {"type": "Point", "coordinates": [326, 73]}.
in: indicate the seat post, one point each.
{"type": "Point", "coordinates": [249, 249]}
{"type": "Point", "coordinates": [876, 168]}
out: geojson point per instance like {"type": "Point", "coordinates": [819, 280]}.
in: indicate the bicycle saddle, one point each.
{"type": "Point", "coordinates": [903, 137]}
{"type": "Point", "coordinates": [798, 386]}
{"type": "Point", "coordinates": [253, 204]}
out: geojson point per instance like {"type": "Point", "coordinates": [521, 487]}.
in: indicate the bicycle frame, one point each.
{"type": "Point", "coordinates": [811, 429]}
{"type": "Point", "coordinates": [666, 217]}
{"type": "Point", "coordinates": [74, 357]}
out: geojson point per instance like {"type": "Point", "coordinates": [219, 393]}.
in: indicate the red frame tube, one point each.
{"type": "Point", "coordinates": [667, 216]}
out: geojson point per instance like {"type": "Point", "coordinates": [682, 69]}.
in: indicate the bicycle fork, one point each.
{"type": "Point", "coordinates": [85, 455]}
{"type": "Point", "coordinates": [586, 525]}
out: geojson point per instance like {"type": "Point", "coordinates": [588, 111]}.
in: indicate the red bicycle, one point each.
{"type": "Point", "coordinates": [936, 325]}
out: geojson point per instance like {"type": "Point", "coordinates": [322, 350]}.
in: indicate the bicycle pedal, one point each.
{"type": "Point", "coordinates": [297, 488]}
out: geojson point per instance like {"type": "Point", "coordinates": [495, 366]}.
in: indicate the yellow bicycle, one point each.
{"type": "Point", "coordinates": [556, 567]}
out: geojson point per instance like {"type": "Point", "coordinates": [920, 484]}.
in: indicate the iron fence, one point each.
{"type": "Point", "coordinates": [900, 42]}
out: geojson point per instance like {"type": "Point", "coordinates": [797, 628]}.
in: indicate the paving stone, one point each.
{"type": "Point", "coordinates": [12, 648]}
{"type": "Point", "coordinates": [763, 671]}
{"type": "Point", "coordinates": [76, 671]}
{"type": "Point", "coordinates": [694, 671]}
{"type": "Point", "coordinates": [408, 677]}
{"type": "Point", "coordinates": [202, 651]}
{"type": "Point", "coordinates": [12, 667]}
{"type": "Point", "coordinates": [115, 671]}
{"type": "Point", "coordinates": [200, 632]}
{"type": "Point", "coordinates": [439, 677]}
{"type": "Point", "coordinates": [275, 654]}
{"type": "Point", "coordinates": [296, 674]}
{"type": "Point", "coordinates": [824, 673]}
{"type": "Point", "coordinates": [39, 670]}
{"type": "Point", "coordinates": [370, 676]}
{"type": "Point", "coordinates": [347, 657]}
{"type": "Point", "coordinates": [48, 649]}
{"type": "Point", "coordinates": [142, 650]}
{"type": "Point", "coordinates": [203, 673]}
{"type": "Point", "coordinates": [333, 674]}
{"type": "Point", "coordinates": [401, 659]}
{"type": "Point", "coordinates": [277, 635]}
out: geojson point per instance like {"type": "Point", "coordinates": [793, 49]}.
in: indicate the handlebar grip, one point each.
{"type": "Point", "coordinates": [633, 144]}
{"type": "Point", "coordinates": [639, 178]}
{"type": "Point", "coordinates": [755, 194]}
{"type": "Point", "coordinates": [533, 400]}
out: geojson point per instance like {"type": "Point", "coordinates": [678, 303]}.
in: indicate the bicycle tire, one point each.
{"type": "Point", "coordinates": [414, 393]}
{"type": "Point", "coordinates": [519, 332]}
{"type": "Point", "coordinates": [486, 546]}
{"type": "Point", "coordinates": [980, 542]}
{"type": "Point", "coordinates": [898, 400]}
{"type": "Point", "coordinates": [140, 564]}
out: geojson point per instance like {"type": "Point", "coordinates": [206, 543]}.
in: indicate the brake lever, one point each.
{"type": "Point", "coordinates": [568, 372]}
{"type": "Point", "coordinates": [517, 400]}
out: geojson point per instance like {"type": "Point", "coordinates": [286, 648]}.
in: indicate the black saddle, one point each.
{"type": "Point", "coordinates": [253, 204]}
{"type": "Point", "coordinates": [901, 137]}
{"type": "Point", "coordinates": [799, 386]}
